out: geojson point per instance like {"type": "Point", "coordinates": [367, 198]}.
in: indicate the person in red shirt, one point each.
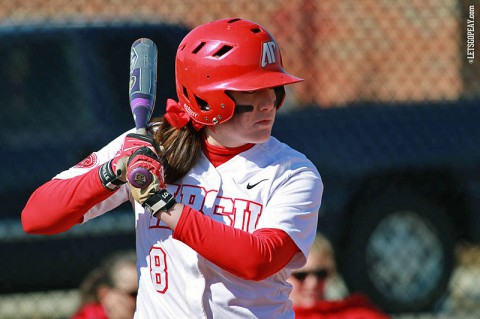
{"type": "Point", "coordinates": [310, 285]}
{"type": "Point", "coordinates": [110, 290]}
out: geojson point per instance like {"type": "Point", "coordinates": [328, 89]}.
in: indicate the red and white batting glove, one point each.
{"type": "Point", "coordinates": [114, 172]}
{"type": "Point", "coordinates": [146, 181]}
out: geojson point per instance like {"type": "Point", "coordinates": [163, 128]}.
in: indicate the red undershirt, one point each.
{"type": "Point", "coordinates": [217, 155]}
{"type": "Point", "coordinates": [58, 205]}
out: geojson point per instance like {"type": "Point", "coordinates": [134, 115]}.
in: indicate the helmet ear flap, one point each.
{"type": "Point", "coordinates": [279, 95]}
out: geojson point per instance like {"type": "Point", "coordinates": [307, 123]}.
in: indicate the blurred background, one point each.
{"type": "Point", "coordinates": [388, 111]}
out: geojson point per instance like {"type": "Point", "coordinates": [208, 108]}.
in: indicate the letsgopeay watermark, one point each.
{"type": "Point", "coordinates": [471, 34]}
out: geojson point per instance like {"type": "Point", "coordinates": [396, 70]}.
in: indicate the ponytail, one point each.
{"type": "Point", "coordinates": [181, 148]}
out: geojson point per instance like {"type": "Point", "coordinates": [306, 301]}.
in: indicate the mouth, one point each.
{"type": "Point", "coordinates": [264, 122]}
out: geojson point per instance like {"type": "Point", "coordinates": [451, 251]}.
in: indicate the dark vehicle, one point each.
{"type": "Point", "coordinates": [402, 187]}
{"type": "Point", "coordinates": [402, 182]}
{"type": "Point", "coordinates": [64, 93]}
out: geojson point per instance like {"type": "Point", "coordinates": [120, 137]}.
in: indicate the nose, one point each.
{"type": "Point", "coordinates": [314, 284]}
{"type": "Point", "coordinates": [312, 281]}
{"type": "Point", "coordinates": [267, 99]}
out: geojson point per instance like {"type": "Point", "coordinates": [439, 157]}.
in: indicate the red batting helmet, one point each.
{"type": "Point", "coordinates": [228, 54]}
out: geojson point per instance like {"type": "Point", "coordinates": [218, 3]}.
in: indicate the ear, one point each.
{"type": "Point", "coordinates": [102, 291]}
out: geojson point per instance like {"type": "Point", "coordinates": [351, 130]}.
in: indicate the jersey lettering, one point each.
{"type": "Point", "coordinates": [158, 269]}
{"type": "Point", "coordinates": [158, 223]}
{"type": "Point", "coordinates": [193, 196]}
{"type": "Point", "coordinates": [239, 213]}
{"type": "Point", "coordinates": [246, 214]}
{"type": "Point", "coordinates": [235, 212]}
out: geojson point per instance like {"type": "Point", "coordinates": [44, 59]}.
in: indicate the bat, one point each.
{"type": "Point", "coordinates": [142, 94]}
{"type": "Point", "coordinates": [143, 82]}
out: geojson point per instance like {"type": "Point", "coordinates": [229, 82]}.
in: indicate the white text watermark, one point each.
{"type": "Point", "coordinates": [471, 34]}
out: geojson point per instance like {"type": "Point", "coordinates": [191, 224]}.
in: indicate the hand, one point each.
{"type": "Point", "coordinates": [114, 172]}
{"type": "Point", "coordinates": [131, 144]}
{"type": "Point", "coordinates": [148, 184]}
{"type": "Point", "coordinates": [145, 174]}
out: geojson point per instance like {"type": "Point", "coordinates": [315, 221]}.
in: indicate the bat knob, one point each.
{"type": "Point", "coordinates": [140, 177]}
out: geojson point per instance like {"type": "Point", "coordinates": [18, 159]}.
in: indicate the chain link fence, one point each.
{"type": "Point", "coordinates": [349, 52]}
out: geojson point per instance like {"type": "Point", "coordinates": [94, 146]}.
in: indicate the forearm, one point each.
{"type": "Point", "coordinates": [253, 256]}
{"type": "Point", "coordinates": [172, 216]}
{"type": "Point", "coordinates": [59, 204]}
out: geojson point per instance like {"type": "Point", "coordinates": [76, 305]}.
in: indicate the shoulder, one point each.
{"type": "Point", "coordinates": [96, 158]}
{"type": "Point", "coordinates": [274, 152]}
{"type": "Point", "coordinates": [278, 147]}
{"type": "Point", "coordinates": [117, 142]}
{"type": "Point", "coordinates": [283, 163]}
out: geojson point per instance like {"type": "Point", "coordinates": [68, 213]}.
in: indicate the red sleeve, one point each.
{"type": "Point", "coordinates": [59, 204]}
{"type": "Point", "coordinates": [252, 256]}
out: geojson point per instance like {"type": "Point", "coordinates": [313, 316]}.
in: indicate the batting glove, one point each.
{"type": "Point", "coordinates": [114, 172]}
{"type": "Point", "coordinates": [146, 181]}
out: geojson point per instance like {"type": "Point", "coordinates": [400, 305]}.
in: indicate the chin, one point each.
{"type": "Point", "coordinates": [262, 139]}
{"type": "Point", "coordinates": [263, 135]}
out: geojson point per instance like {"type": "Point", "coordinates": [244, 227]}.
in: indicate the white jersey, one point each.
{"type": "Point", "coordinates": [268, 186]}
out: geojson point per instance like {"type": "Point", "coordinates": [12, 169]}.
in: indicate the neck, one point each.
{"type": "Point", "coordinates": [222, 141]}
{"type": "Point", "coordinates": [218, 154]}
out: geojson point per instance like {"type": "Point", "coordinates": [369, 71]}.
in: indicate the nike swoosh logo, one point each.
{"type": "Point", "coordinates": [253, 185]}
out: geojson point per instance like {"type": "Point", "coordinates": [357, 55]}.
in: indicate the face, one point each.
{"type": "Point", "coordinates": [309, 282]}
{"type": "Point", "coordinates": [126, 279]}
{"type": "Point", "coordinates": [250, 125]}
{"type": "Point", "coordinates": [119, 302]}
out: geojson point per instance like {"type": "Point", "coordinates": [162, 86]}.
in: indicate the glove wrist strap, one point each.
{"type": "Point", "coordinates": [108, 177]}
{"type": "Point", "coordinates": [160, 201]}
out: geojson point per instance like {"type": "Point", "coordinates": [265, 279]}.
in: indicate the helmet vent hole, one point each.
{"type": "Point", "coordinates": [185, 92]}
{"type": "Point", "coordinates": [222, 51]}
{"type": "Point", "coordinates": [234, 20]}
{"type": "Point", "coordinates": [202, 104]}
{"type": "Point", "coordinates": [255, 30]}
{"type": "Point", "coordinates": [198, 48]}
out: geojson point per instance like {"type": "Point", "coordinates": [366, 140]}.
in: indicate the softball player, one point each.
{"type": "Point", "coordinates": [230, 209]}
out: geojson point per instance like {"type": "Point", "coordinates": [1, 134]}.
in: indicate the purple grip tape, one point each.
{"type": "Point", "coordinates": [140, 177]}
{"type": "Point", "coordinates": [141, 114]}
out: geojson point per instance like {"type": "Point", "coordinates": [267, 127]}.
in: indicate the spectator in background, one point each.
{"type": "Point", "coordinates": [110, 290]}
{"type": "Point", "coordinates": [310, 286]}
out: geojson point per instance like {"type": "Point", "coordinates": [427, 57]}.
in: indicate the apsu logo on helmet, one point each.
{"type": "Point", "coordinates": [268, 53]}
